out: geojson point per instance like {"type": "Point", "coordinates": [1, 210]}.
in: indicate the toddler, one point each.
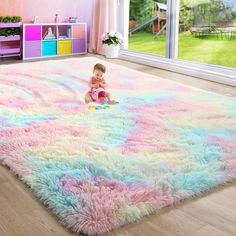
{"type": "Point", "coordinates": [98, 85]}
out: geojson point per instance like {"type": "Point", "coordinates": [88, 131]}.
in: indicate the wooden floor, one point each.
{"type": "Point", "coordinates": [213, 214]}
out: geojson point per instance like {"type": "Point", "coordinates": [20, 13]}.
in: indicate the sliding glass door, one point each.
{"type": "Point", "coordinates": [207, 31]}
{"type": "Point", "coordinates": [195, 30]}
{"type": "Point", "coordinates": [147, 26]}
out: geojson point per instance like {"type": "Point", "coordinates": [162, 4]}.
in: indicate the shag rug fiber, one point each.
{"type": "Point", "coordinates": [100, 169]}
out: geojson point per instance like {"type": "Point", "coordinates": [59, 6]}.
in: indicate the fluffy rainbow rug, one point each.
{"type": "Point", "coordinates": [98, 170]}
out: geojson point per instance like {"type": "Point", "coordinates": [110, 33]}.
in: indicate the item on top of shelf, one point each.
{"type": "Point", "coordinates": [73, 19]}
{"type": "Point", "coordinates": [58, 33]}
{"type": "Point", "coordinates": [56, 19]}
{"type": "Point", "coordinates": [36, 20]}
{"type": "Point", "coordinates": [63, 37]}
{"type": "Point", "coordinates": [49, 34]}
{"type": "Point", "coordinates": [69, 32]}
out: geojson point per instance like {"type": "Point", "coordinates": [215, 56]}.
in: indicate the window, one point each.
{"type": "Point", "coordinates": [207, 31]}
{"type": "Point", "coordinates": [147, 26]}
{"type": "Point", "coordinates": [196, 30]}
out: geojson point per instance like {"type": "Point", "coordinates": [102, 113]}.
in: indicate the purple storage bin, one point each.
{"type": "Point", "coordinates": [32, 32]}
{"type": "Point", "coordinates": [32, 49]}
{"type": "Point", "coordinates": [79, 46]}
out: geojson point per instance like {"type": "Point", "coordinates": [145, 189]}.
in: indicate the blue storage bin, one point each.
{"type": "Point", "coordinates": [49, 48]}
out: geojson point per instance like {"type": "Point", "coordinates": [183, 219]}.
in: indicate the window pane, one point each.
{"type": "Point", "coordinates": [207, 31]}
{"type": "Point", "coordinates": [147, 26]}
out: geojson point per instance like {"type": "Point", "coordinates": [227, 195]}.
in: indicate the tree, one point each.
{"type": "Point", "coordinates": [201, 12]}
{"type": "Point", "coordinates": [141, 10]}
{"type": "Point", "coordinates": [213, 12]}
{"type": "Point", "coordinates": [186, 16]}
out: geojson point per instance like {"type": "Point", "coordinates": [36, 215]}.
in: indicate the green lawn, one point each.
{"type": "Point", "coordinates": [208, 50]}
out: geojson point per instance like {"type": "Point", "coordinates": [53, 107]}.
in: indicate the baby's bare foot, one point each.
{"type": "Point", "coordinates": [114, 102]}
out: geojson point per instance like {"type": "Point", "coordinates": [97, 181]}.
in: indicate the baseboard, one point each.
{"type": "Point", "coordinates": [217, 74]}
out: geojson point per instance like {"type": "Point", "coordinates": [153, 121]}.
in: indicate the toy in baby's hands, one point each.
{"type": "Point", "coordinates": [104, 102]}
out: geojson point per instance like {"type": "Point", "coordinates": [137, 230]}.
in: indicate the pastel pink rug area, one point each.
{"type": "Point", "coordinates": [100, 169]}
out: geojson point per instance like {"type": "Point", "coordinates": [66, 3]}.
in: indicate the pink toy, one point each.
{"type": "Point", "coordinates": [98, 94]}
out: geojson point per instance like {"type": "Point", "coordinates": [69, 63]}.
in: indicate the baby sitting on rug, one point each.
{"type": "Point", "coordinates": [98, 84]}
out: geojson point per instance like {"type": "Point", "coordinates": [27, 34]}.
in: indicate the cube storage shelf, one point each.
{"type": "Point", "coordinates": [10, 45]}
{"type": "Point", "coordinates": [70, 39]}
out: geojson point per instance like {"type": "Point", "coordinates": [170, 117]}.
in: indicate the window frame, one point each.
{"type": "Point", "coordinates": [216, 73]}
